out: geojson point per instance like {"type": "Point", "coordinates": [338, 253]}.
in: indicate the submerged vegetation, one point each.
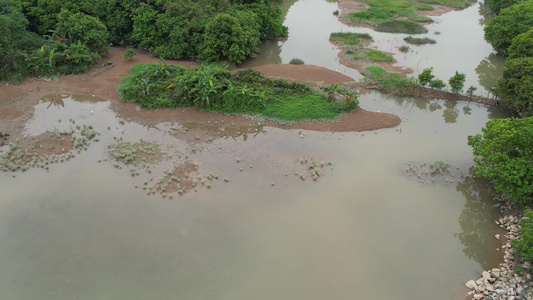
{"type": "Point", "coordinates": [213, 87]}
{"type": "Point", "coordinates": [419, 41]}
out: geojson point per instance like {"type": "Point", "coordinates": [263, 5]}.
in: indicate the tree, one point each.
{"type": "Point", "coordinates": [516, 84]}
{"type": "Point", "coordinates": [231, 37]}
{"type": "Point", "coordinates": [457, 82]}
{"type": "Point", "coordinates": [81, 28]}
{"type": "Point", "coordinates": [521, 46]}
{"type": "Point", "coordinates": [503, 154]}
{"type": "Point", "coordinates": [426, 76]}
{"type": "Point", "coordinates": [511, 22]}
{"type": "Point", "coordinates": [497, 5]}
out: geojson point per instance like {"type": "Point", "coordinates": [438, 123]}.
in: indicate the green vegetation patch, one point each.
{"type": "Point", "coordinates": [393, 83]}
{"type": "Point", "coordinates": [296, 108]}
{"type": "Point", "coordinates": [213, 87]}
{"type": "Point", "coordinates": [376, 55]}
{"type": "Point", "coordinates": [401, 26]}
{"type": "Point", "coordinates": [419, 41]}
{"type": "Point", "coordinates": [377, 15]}
{"type": "Point", "coordinates": [349, 38]}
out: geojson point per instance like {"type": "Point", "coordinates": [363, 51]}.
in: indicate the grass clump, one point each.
{"type": "Point", "coordinates": [401, 26]}
{"type": "Point", "coordinates": [385, 12]}
{"type": "Point", "coordinates": [419, 41]}
{"type": "Point", "coordinates": [349, 38]}
{"type": "Point", "coordinates": [392, 83]}
{"type": "Point", "coordinates": [296, 108]}
{"type": "Point", "coordinates": [296, 61]}
{"type": "Point", "coordinates": [376, 55]}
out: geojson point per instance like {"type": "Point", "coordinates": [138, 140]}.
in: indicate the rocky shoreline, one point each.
{"type": "Point", "coordinates": [502, 282]}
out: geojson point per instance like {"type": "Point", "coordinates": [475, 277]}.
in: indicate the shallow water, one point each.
{"type": "Point", "coordinates": [459, 35]}
{"type": "Point", "coordinates": [362, 230]}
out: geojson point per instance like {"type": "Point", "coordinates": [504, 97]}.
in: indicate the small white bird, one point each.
{"type": "Point", "coordinates": [301, 134]}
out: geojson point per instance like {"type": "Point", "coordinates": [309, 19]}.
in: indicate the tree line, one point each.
{"type": "Point", "coordinates": [504, 150]}
{"type": "Point", "coordinates": [64, 37]}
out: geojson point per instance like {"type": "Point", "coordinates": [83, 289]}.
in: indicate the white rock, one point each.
{"type": "Point", "coordinates": [478, 296]}
{"type": "Point", "coordinates": [471, 284]}
{"type": "Point", "coordinates": [526, 265]}
{"type": "Point", "coordinates": [497, 236]}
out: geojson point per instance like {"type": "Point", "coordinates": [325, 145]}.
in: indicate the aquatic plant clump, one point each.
{"type": "Point", "coordinates": [419, 41]}
{"type": "Point", "coordinates": [313, 168]}
{"type": "Point", "coordinates": [435, 172]}
{"type": "Point", "coordinates": [134, 153]}
{"type": "Point", "coordinates": [41, 152]}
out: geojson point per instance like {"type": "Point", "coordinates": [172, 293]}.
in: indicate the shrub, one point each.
{"type": "Point", "coordinates": [129, 53]}
{"type": "Point", "coordinates": [437, 84]}
{"type": "Point", "coordinates": [404, 48]}
{"type": "Point", "coordinates": [419, 41]}
{"type": "Point", "coordinates": [524, 246]}
{"type": "Point", "coordinates": [401, 26]}
{"type": "Point", "coordinates": [296, 61]}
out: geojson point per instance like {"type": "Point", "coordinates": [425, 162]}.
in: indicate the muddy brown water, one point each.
{"type": "Point", "coordinates": [363, 229]}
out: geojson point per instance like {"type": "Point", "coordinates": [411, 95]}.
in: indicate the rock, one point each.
{"type": "Point", "coordinates": [489, 287]}
{"type": "Point", "coordinates": [497, 236]}
{"type": "Point", "coordinates": [478, 296]}
{"type": "Point", "coordinates": [471, 284]}
{"type": "Point", "coordinates": [500, 292]}
{"type": "Point", "coordinates": [526, 265]}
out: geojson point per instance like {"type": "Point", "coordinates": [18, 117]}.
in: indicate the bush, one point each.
{"type": "Point", "coordinates": [404, 48]}
{"type": "Point", "coordinates": [296, 61]}
{"type": "Point", "coordinates": [401, 26]}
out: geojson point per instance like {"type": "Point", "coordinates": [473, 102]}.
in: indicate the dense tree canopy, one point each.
{"type": "Point", "coordinates": [497, 5]}
{"type": "Point", "coordinates": [516, 85]}
{"type": "Point", "coordinates": [503, 154]}
{"type": "Point", "coordinates": [511, 22]}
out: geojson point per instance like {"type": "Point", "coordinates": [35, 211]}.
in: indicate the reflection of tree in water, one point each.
{"type": "Point", "coordinates": [477, 220]}
{"type": "Point", "coordinates": [450, 113]}
{"type": "Point", "coordinates": [467, 110]}
{"type": "Point", "coordinates": [489, 71]}
{"type": "Point", "coordinates": [55, 100]}
{"type": "Point", "coordinates": [434, 106]}
{"type": "Point", "coordinates": [486, 13]}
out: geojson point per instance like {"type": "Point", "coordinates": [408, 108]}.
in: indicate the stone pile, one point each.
{"type": "Point", "coordinates": [502, 282]}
